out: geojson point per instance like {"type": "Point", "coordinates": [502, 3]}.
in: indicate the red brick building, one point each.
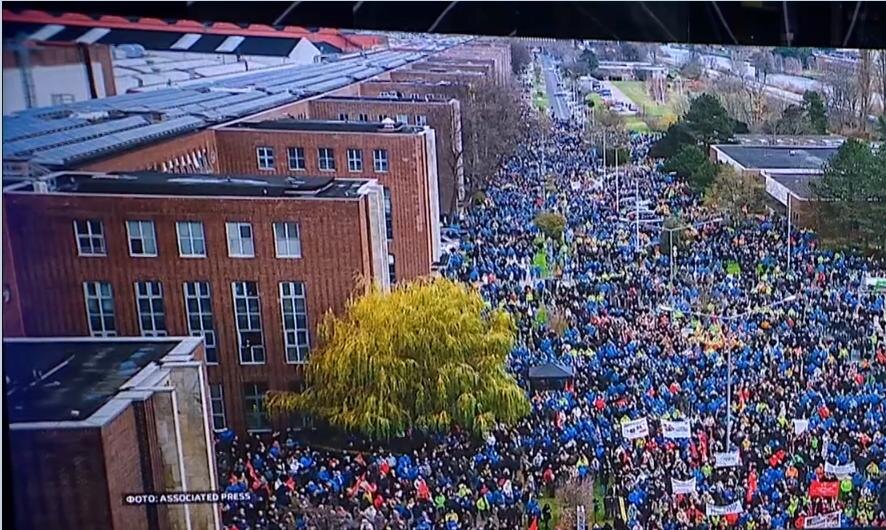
{"type": "Point", "coordinates": [444, 116]}
{"type": "Point", "coordinates": [401, 157]}
{"type": "Point", "coordinates": [94, 420]}
{"type": "Point", "coordinates": [250, 263]}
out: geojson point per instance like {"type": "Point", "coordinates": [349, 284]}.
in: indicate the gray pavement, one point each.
{"type": "Point", "coordinates": [559, 105]}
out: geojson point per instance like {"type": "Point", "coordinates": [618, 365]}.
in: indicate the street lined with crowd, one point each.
{"type": "Point", "coordinates": [802, 348]}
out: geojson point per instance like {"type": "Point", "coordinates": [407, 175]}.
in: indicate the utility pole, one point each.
{"type": "Point", "coordinates": [637, 216]}
{"type": "Point", "coordinates": [729, 400]}
{"type": "Point", "coordinates": [617, 185]}
{"type": "Point", "coordinates": [789, 232]}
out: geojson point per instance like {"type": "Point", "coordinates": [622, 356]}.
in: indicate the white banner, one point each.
{"type": "Point", "coordinates": [683, 486]}
{"type": "Point", "coordinates": [635, 429]}
{"type": "Point", "coordinates": [727, 459]}
{"type": "Point", "coordinates": [735, 507]}
{"type": "Point", "coordinates": [800, 426]}
{"type": "Point", "coordinates": [826, 520]}
{"type": "Point", "coordinates": [675, 429]}
{"type": "Point", "coordinates": [842, 471]}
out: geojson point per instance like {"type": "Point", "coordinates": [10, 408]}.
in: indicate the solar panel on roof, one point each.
{"type": "Point", "coordinates": [70, 136]}
{"type": "Point", "coordinates": [257, 105]}
{"type": "Point", "coordinates": [13, 129]}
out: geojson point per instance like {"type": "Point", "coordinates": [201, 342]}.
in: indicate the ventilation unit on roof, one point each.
{"type": "Point", "coordinates": [794, 152]}
{"type": "Point", "coordinates": [388, 123]}
{"type": "Point", "coordinates": [92, 116]}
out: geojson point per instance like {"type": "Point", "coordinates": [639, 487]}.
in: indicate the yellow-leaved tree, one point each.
{"type": "Point", "coordinates": [428, 355]}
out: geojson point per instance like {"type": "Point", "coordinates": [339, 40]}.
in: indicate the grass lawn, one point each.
{"type": "Point", "coordinates": [555, 511]}
{"type": "Point", "coordinates": [636, 90]}
{"type": "Point", "coordinates": [540, 100]}
{"type": "Point", "coordinates": [636, 124]}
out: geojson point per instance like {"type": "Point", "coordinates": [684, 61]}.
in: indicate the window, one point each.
{"type": "Point", "coordinates": [240, 243]}
{"type": "Point", "coordinates": [403, 118]}
{"type": "Point", "coordinates": [342, 117]}
{"type": "Point", "coordinates": [389, 214]}
{"type": "Point", "coordinates": [217, 406]}
{"type": "Point", "coordinates": [248, 316]}
{"type": "Point", "coordinates": [265, 157]}
{"type": "Point", "coordinates": [142, 239]}
{"type": "Point", "coordinates": [355, 160]}
{"type": "Point", "coordinates": [99, 298]}
{"type": "Point", "coordinates": [380, 160]}
{"type": "Point", "coordinates": [149, 304]}
{"type": "Point", "coordinates": [287, 240]}
{"type": "Point", "coordinates": [388, 94]}
{"type": "Point", "coordinates": [296, 158]}
{"type": "Point", "coordinates": [381, 117]}
{"type": "Point", "coordinates": [392, 269]}
{"type": "Point", "coordinates": [363, 117]}
{"type": "Point", "coordinates": [198, 307]}
{"type": "Point", "coordinates": [90, 237]}
{"type": "Point", "coordinates": [326, 159]}
{"type": "Point", "coordinates": [295, 321]}
{"type": "Point", "coordinates": [421, 119]}
{"type": "Point", "coordinates": [61, 99]}
{"type": "Point", "coordinates": [256, 418]}
{"type": "Point", "coordinates": [191, 242]}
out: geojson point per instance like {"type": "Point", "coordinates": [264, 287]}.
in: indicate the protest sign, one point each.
{"type": "Point", "coordinates": [675, 429]}
{"type": "Point", "coordinates": [635, 429]}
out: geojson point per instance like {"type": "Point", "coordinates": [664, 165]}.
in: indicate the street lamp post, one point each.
{"type": "Point", "coordinates": [714, 316]}
{"type": "Point", "coordinates": [670, 231]}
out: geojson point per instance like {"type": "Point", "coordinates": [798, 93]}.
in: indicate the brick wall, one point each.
{"type": "Point", "coordinates": [124, 474]}
{"type": "Point", "coordinates": [406, 177]}
{"type": "Point", "coordinates": [61, 480]}
{"type": "Point", "coordinates": [13, 326]}
{"type": "Point", "coordinates": [179, 154]}
{"type": "Point", "coordinates": [335, 251]}
{"type": "Point", "coordinates": [442, 116]}
{"type": "Point", "coordinates": [452, 77]}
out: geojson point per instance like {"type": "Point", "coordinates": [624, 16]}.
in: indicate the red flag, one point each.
{"type": "Point", "coordinates": [824, 489]}
{"type": "Point", "coordinates": [534, 524]}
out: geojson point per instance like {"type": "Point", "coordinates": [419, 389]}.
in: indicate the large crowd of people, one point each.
{"type": "Point", "coordinates": [655, 355]}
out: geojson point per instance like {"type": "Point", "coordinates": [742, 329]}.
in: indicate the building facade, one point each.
{"type": "Point", "coordinates": [249, 263]}
{"type": "Point", "coordinates": [443, 116]}
{"type": "Point", "coordinates": [96, 420]}
{"type": "Point", "coordinates": [401, 157]}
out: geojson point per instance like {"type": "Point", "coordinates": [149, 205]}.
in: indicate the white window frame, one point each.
{"type": "Point", "coordinates": [363, 117]}
{"type": "Point", "coordinates": [153, 314]}
{"type": "Point", "coordinates": [378, 160]}
{"type": "Point", "coordinates": [389, 212]}
{"type": "Point", "coordinates": [92, 237]}
{"type": "Point", "coordinates": [237, 225]}
{"type": "Point", "coordinates": [342, 116]}
{"type": "Point", "coordinates": [209, 335]}
{"type": "Point", "coordinates": [421, 119]}
{"type": "Point", "coordinates": [141, 224]}
{"type": "Point", "coordinates": [299, 153]}
{"type": "Point", "coordinates": [62, 98]}
{"type": "Point", "coordinates": [265, 156]}
{"type": "Point", "coordinates": [259, 400]}
{"type": "Point", "coordinates": [240, 346]}
{"type": "Point", "coordinates": [214, 412]}
{"type": "Point", "coordinates": [355, 160]}
{"type": "Point", "coordinates": [403, 118]}
{"type": "Point", "coordinates": [392, 274]}
{"type": "Point", "coordinates": [292, 347]}
{"type": "Point", "coordinates": [329, 158]}
{"type": "Point", "coordinates": [284, 251]}
{"type": "Point", "coordinates": [102, 315]}
{"type": "Point", "coordinates": [190, 237]}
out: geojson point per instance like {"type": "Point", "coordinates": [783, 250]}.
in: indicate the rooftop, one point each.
{"type": "Point", "coordinates": [175, 184]}
{"type": "Point", "coordinates": [385, 99]}
{"type": "Point", "coordinates": [798, 184]}
{"type": "Point", "coordinates": [50, 380]}
{"type": "Point", "coordinates": [329, 126]}
{"type": "Point", "coordinates": [811, 140]}
{"type": "Point", "coordinates": [769, 157]}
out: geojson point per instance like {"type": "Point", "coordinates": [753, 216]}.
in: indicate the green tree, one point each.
{"type": "Point", "coordinates": [792, 121]}
{"type": "Point", "coordinates": [589, 58]}
{"type": "Point", "coordinates": [854, 186]}
{"type": "Point", "coordinates": [551, 224]}
{"type": "Point", "coordinates": [429, 356]}
{"type": "Point", "coordinates": [692, 69]}
{"type": "Point", "coordinates": [691, 164]}
{"type": "Point", "coordinates": [815, 112]}
{"type": "Point", "coordinates": [881, 124]}
{"type": "Point", "coordinates": [708, 121]}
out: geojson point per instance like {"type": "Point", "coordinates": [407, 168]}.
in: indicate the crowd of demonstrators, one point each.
{"type": "Point", "coordinates": [802, 350]}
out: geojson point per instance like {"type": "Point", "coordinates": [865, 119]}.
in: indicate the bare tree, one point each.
{"type": "Point", "coordinates": [842, 96]}
{"type": "Point", "coordinates": [881, 73]}
{"type": "Point", "coordinates": [520, 55]}
{"type": "Point", "coordinates": [865, 86]}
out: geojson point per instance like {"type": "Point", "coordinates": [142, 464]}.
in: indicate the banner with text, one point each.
{"type": "Point", "coordinates": [827, 520]}
{"type": "Point", "coordinates": [800, 426]}
{"type": "Point", "coordinates": [683, 486]}
{"type": "Point", "coordinates": [675, 429]}
{"type": "Point", "coordinates": [635, 429]}
{"type": "Point", "coordinates": [829, 489]}
{"type": "Point", "coordinates": [729, 509]}
{"type": "Point", "coordinates": [843, 470]}
{"type": "Point", "coordinates": [730, 459]}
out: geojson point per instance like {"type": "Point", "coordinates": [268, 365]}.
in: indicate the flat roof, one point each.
{"type": "Point", "coordinates": [70, 380]}
{"type": "Point", "coordinates": [289, 124]}
{"type": "Point", "coordinates": [797, 183]}
{"type": "Point", "coordinates": [814, 140]}
{"type": "Point", "coordinates": [770, 157]}
{"type": "Point", "coordinates": [380, 99]}
{"type": "Point", "coordinates": [157, 183]}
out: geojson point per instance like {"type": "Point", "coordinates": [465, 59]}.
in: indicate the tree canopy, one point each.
{"type": "Point", "coordinates": [854, 186]}
{"type": "Point", "coordinates": [815, 112]}
{"type": "Point", "coordinates": [706, 122]}
{"type": "Point", "coordinates": [551, 224]}
{"type": "Point", "coordinates": [734, 194]}
{"type": "Point", "coordinates": [428, 356]}
{"type": "Point", "coordinates": [690, 163]}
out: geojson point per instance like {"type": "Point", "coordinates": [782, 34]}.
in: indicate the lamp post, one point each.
{"type": "Point", "coordinates": [714, 316]}
{"type": "Point", "coordinates": [673, 251]}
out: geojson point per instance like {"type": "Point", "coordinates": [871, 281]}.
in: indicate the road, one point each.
{"type": "Point", "coordinates": [619, 96]}
{"type": "Point", "coordinates": [559, 105]}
